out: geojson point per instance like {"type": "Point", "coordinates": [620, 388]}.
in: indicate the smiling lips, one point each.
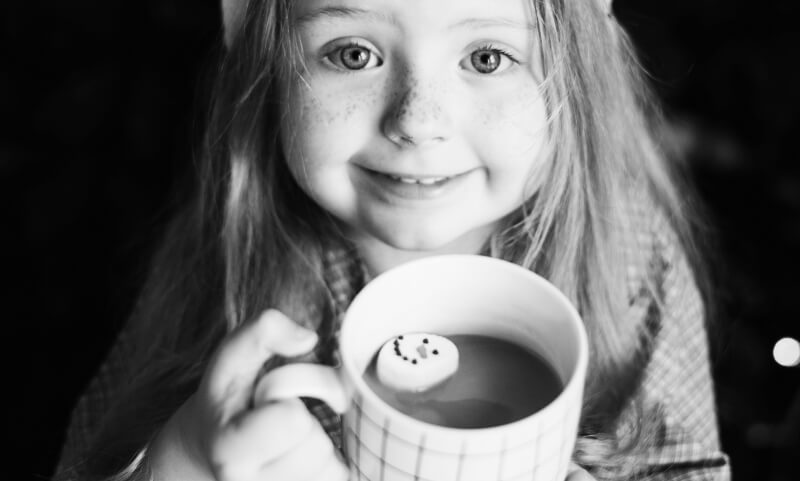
{"type": "Point", "coordinates": [391, 186]}
{"type": "Point", "coordinates": [425, 180]}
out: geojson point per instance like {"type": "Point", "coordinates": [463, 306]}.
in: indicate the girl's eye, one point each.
{"type": "Point", "coordinates": [354, 57]}
{"type": "Point", "coordinates": [488, 60]}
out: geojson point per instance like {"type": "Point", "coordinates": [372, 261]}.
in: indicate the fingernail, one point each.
{"type": "Point", "coordinates": [302, 333]}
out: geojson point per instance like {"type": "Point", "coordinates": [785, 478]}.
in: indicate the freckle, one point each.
{"type": "Point", "coordinates": [348, 111]}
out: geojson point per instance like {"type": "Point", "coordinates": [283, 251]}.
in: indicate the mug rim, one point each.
{"type": "Point", "coordinates": [367, 395]}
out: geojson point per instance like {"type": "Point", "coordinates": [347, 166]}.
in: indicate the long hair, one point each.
{"type": "Point", "coordinates": [251, 239]}
{"type": "Point", "coordinates": [582, 226]}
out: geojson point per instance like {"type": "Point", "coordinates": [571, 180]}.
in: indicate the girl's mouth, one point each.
{"type": "Point", "coordinates": [392, 186]}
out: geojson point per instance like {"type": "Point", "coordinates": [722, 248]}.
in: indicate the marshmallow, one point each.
{"type": "Point", "coordinates": [416, 361]}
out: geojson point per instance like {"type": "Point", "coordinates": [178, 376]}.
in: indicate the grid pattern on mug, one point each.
{"type": "Point", "coordinates": [375, 453]}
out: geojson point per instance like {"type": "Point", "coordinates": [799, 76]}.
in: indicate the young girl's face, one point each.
{"type": "Point", "coordinates": [415, 122]}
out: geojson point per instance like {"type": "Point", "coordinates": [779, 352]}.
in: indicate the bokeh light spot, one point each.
{"type": "Point", "coordinates": [787, 352]}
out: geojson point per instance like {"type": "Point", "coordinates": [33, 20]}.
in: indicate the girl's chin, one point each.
{"type": "Point", "coordinates": [423, 243]}
{"type": "Point", "coordinates": [415, 248]}
{"type": "Point", "coordinates": [426, 239]}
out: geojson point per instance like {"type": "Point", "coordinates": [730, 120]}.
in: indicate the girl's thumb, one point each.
{"type": "Point", "coordinates": [237, 362]}
{"type": "Point", "coordinates": [278, 334]}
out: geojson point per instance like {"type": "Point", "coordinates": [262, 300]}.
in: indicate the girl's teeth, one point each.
{"type": "Point", "coordinates": [431, 181]}
{"type": "Point", "coordinates": [426, 181]}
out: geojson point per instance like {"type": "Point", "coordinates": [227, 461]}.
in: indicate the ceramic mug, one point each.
{"type": "Point", "coordinates": [447, 295]}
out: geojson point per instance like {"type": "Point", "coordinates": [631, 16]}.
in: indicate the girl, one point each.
{"type": "Point", "coordinates": [350, 136]}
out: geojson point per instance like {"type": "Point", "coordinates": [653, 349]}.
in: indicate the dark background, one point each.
{"type": "Point", "coordinates": [98, 99]}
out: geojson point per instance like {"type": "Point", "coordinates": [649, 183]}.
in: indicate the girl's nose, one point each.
{"type": "Point", "coordinates": [417, 114]}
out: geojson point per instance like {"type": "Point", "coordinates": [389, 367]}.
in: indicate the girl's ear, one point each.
{"type": "Point", "coordinates": [232, 13]}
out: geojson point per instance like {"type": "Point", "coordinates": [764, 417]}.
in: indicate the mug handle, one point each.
{"type": "Point", "coordinates": [304, 380]}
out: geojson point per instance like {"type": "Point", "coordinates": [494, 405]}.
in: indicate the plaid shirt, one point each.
{"type": "Point", "coordinates": [677, 375]}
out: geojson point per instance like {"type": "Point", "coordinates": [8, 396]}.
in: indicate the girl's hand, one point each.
{"type": "Point", "coordinates": [577, 473]}
{"type": "Point", "coordinates": [218, 434]}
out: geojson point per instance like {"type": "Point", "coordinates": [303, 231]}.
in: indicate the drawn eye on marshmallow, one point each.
{"type": "Point", "coordinates": [416, 361]}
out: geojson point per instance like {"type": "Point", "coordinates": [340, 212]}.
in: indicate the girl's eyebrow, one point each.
{"type": "Point", "coordinates": [478, 23]}
{"type": "Point", "coordinates": [343, 12]}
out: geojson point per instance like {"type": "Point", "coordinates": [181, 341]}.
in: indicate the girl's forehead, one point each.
{"type": "Point", "coordinates": [450, 14]}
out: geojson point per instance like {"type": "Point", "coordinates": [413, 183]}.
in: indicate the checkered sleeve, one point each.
{"type": "Point", "coordinates": [91, 406]}
{"type": "Point", "coordinates": [679, 379]}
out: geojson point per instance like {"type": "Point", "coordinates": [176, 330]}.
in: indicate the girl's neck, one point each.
{"type": "Point", "coordinates": [380, 257]}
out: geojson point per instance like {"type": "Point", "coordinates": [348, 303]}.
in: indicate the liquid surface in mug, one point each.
{"type": "Point", "coordinates": [497, 382]}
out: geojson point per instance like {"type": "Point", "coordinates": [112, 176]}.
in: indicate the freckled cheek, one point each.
{"type": "Point", "coordinates": [332, 122]}
{"type": "Point", "coordinates": [512, 128]}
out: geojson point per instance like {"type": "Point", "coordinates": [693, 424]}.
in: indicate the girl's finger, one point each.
{"type": "Point", "coordinates": [303, 379]}
{"type": "Point", "coordinates": [310, 460]}
{"type": "Point", "coordinates": [237, 362]}
{"type": "Point", "coordinates": [333, 470]}
{"type": "Point", "coordinates": [261, 435]}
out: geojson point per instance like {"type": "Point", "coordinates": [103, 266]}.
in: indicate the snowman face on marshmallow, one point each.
{"type": "Point", "coordinates": [416, 361]}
